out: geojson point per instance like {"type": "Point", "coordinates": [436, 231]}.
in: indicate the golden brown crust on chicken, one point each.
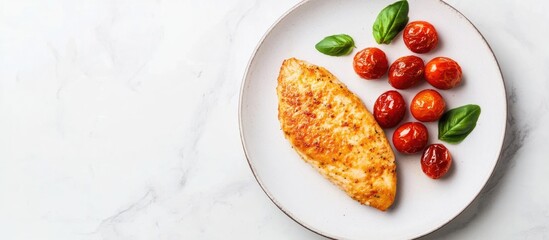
{"type": "Point", "coordinates": [332, 130]}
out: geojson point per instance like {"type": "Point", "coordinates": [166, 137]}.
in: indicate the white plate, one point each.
{"type": "Point", "coordinates": [422, 205]}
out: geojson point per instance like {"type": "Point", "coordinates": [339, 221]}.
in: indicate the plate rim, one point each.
{"type": "Point", "coordinates": [273, 199]}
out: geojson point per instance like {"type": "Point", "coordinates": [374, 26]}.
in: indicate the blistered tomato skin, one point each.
{"type": "Point", "coordinates": [427, 106]}
{"type": "Point", "coordinates": [420, 37]}
{"type": "Point", "coordinates": [389, 109]}
{"type": "Point", "coordinates": [410, 137]}
{"type": "Point", "coordinates": [406, 72]}
{"type": "Point", "coordinates": [443, 73]}
{"type": "Point", "coordinates": [370, 63]}
{"type": "Point", "coordinates": [436, 161]}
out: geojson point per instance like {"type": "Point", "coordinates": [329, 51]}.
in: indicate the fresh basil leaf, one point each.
{"type": "Point", "coordinates": [456, 124]}
{"type": "Point", "coordinates": [390, 21]}
{"type": "Point", "coordinates": [336, 45]}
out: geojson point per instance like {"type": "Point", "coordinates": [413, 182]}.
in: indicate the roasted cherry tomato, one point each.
{"type": "Point", "coordinates": [436, 161]}
{"type": "Point", "coordinates": [370, 63]}
{"type": "Point", "coordinates": [389, 109]}
{"type": "Point", "coordinates": [443, 73]}
{"type": "Point", "coordinates": [406, 72]}
{"type": "Point", "coordinates": [410, 137]}
{"type": "Point", "coordinates": [427, 106]}
{"type": "Point", "coordinates": [420, 36]}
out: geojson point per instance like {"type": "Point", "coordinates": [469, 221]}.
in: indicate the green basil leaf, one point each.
{"type": "Point", "coordinates": [390, 21]}
{"type": "Point", "coordinates": [456, 124]}
{"type": "Point", "coordinates": [336, 45]}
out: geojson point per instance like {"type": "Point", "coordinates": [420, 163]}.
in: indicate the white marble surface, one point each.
{"type": "Point", "coordinates": [118, 120]}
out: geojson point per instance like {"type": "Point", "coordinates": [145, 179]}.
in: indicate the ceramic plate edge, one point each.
{"type": "Point", "coordinates": [243, 141]}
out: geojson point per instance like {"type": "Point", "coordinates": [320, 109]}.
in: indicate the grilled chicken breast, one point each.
{"type": "Point", "coordinates": [331, 129]}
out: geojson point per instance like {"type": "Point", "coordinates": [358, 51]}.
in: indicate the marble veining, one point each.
{"type": "Point", "coordinates": [118, 120]}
